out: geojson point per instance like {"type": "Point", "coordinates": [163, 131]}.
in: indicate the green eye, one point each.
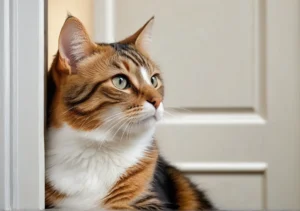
{"type": "Point", "coordinates": [120, 82]}
{"type": "Point", "coordinates": [154, 81]}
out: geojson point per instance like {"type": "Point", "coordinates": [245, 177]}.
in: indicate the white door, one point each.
{"type": "Point", "coordinates": [232, 74]}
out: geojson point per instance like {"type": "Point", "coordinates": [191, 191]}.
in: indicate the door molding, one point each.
{"type": "Point", "coordinates": [22, 104]}
{"type": "Point", "coordinates": [225, 167]}
{"type": "Point", "coordinates": [258, 168]}
{"type": "Point", "coordinates": [104, 16]}
{"type": "Point", "coordinates": [5, 144]}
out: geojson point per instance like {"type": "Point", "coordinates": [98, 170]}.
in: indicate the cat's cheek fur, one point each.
{"type": "Point", "coordinates": [113, 120]}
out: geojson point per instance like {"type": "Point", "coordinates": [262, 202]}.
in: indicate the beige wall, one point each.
{"type": "Point", "coordinates": [57, 13]}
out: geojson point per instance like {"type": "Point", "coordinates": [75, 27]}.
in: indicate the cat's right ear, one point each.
{"type": "Point", "coordinates": [74, 45]}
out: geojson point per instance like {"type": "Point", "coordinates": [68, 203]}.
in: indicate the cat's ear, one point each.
{"type": "Point", "coordinates": [74, 44]}
{"type": "Point", "coordinates": [142, 39]}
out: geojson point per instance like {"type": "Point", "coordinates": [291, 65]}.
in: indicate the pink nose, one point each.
{"type": "Point", "coordinates": [155, 102]}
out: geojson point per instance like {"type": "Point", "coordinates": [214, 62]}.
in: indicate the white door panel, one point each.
{"type": "Point", "coordinates": [231, 71]}
{"type": "Point", "coordinates": [243, 191]}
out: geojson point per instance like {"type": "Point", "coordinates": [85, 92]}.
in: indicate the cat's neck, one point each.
{"type": "Point", "coordinates": [75, 163]}
{"type": "Point", "coordinates": [70, 143]}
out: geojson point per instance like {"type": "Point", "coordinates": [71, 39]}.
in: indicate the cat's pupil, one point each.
{"type": "Point", "coordinates": [121, 80]}
{"type": "Point", "coordinates": [152, 80]}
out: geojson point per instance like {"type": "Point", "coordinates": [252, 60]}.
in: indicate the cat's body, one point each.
{"type": "Point", "coordinates": [104, 100]}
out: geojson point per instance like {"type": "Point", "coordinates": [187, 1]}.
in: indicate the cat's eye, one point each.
{"type": "Point", "coordinates": [120, 82]}
{"type": "Point", "coordinates": [154, 81]}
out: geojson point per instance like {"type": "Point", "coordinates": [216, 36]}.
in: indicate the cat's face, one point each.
{"type": "Point", "coordinates": [115, 88]}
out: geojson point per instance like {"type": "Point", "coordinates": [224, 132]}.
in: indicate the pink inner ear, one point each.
{"type": "Point", "coordinates": [66, 42]}
{"type": "Point", "coordinates": [74, 42]}
{"type": "Point", "coordinates": [144, 40]}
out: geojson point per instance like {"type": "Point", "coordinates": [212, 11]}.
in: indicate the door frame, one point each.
{"type": "Point", "coordinates": [22, 56]}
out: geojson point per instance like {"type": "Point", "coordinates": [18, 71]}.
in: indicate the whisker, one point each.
{"type": "Point", "coordinates": [115, 118]}
{"type": "Point", "coordinates": [125, 130]}
{"type": "Point", "coordinates": [67, 110]}
{"type": "Point", "coordinates": [169, 114]}
{"type": "Point", "coordinates": [120, 128]}
{"type": "Point", "coordinates": [109, 117]}
{"type": "Point", "coordinates": [84, 122]}
{"type": "Point", "coordinates": [78, 118]}
{"type": "Point", "coordinates": [119, 119]}
{"type": "Point", "coordinates": [122, 119]}
{"type": "Point", "coordinates": [129, 130]}
{"type": "Point", "coordinates": [178, 108]}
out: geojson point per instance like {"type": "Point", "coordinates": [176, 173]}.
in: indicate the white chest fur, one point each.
{"type": "Point", "coordinates": [86, 170]}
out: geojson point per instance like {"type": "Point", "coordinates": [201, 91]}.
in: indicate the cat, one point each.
{"type": "Point", "coordinates": [103, 103]}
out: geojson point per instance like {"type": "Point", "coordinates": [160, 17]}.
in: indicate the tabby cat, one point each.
{"type": "Point", "coordinates": [103, 103]}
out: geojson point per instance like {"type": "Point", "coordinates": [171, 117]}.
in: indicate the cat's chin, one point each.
{"type": "Point", "coordinates": [149, 122]}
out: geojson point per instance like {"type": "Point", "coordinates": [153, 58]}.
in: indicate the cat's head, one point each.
{"type": "Point", "coordinates": [110, 87]}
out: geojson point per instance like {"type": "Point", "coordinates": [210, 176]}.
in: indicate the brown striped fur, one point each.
{"type": "Point", "coordinates": [135, 184]}
{"type": "Point", "coordinates": [185, 193]}
{"type": "Point", "coordinates": [52, 196]}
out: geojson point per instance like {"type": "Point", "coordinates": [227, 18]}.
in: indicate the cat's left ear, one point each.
{"type": "Point", "coordinates": [74, 44]}
{"type": "Point", "coordinates": [142, 39]}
